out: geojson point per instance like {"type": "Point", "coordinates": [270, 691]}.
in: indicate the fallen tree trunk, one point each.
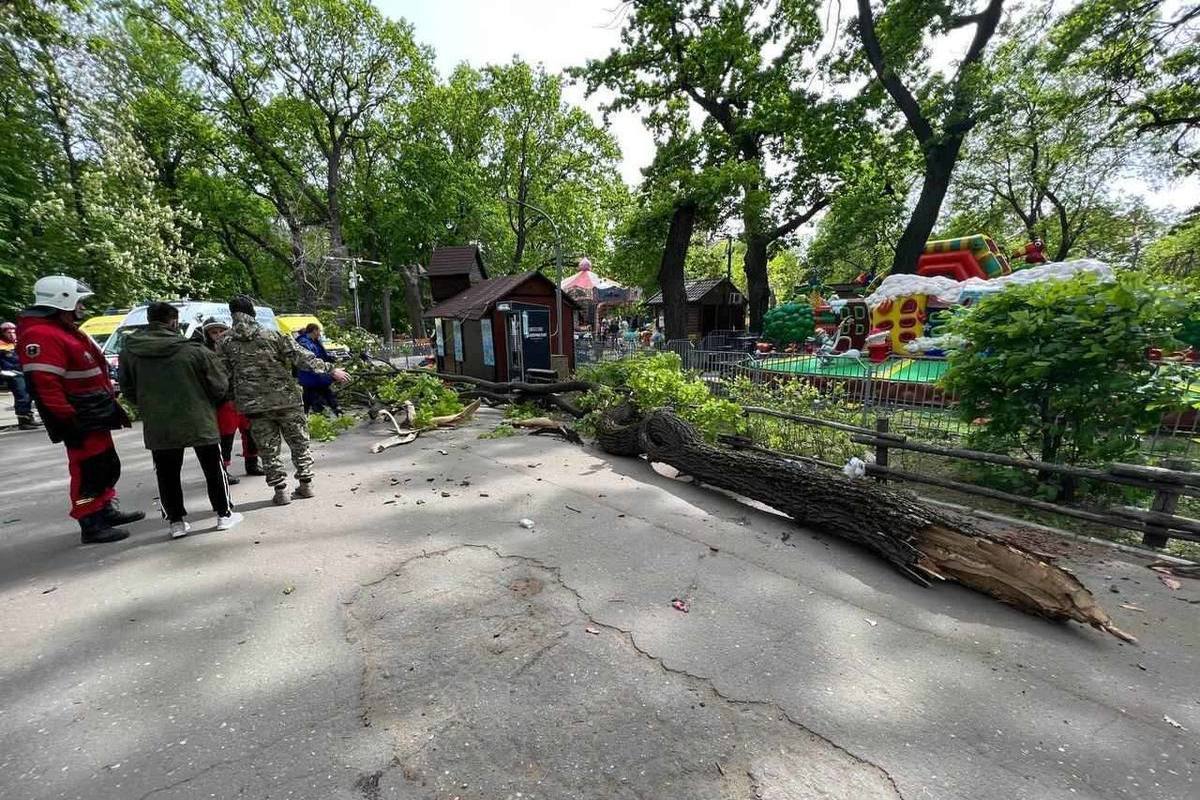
{"type": "Point", "coordinates": [924, 543]}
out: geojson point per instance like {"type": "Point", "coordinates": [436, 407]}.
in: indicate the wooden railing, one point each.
{"type": "Point", "coordinates": [1157, 524]}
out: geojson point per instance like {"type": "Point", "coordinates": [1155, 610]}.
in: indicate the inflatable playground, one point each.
{"type": "Point", "coordinates": [885, 331]}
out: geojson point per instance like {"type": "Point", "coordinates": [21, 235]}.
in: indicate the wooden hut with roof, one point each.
{"type": "Point", "coordinates": [713, 304]}
{"type": "Point", "coordinates": [498, 329]}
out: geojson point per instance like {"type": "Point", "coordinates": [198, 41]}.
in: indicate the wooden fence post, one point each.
{"type": "Point", "coordinates": [1165, 500]}
{"type": "Point", "coordinates": [881, 451]}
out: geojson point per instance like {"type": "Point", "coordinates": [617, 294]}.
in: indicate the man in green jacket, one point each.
{"type": "Point", "coordinates": [176, 385]}
{"type": "Point", "coordinates": [260, 363]}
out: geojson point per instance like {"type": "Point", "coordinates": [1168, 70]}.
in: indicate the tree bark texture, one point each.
{"type": "Point", "coordinates": [758, 287]}
{"type": "Point", "coordinates": [413, 301]}
{"type": "Point", "coordinates": [671, 275]}
{"type": "Point", "coordinates": [939, 164]}
{"type": "Point", "coordinates": [922, 542]}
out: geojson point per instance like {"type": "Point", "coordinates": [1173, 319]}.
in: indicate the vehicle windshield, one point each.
{"type": "Point", "coordinates": [113, 345]}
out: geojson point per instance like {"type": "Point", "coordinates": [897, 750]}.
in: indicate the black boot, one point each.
{"type": "Point", "coordinates": [26, 422]}
{"type": "Point", "coordinates": [95, 530]}
{"type": "Point", "coordinates": [113, 515]}
{"type": "Point", "coordinates": [252, 467]}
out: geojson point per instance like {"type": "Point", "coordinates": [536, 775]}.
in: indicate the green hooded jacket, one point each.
{"type": "Point", "coordinates": [176, 385]}
{"type": "Point", "coordinates": [262, 367]}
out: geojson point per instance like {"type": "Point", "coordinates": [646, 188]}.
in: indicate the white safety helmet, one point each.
{"type": "Point", "coordinates": [60, 291]}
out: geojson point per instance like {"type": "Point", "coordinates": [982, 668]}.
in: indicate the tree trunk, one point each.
{"type": "Point", "coordinates": [919, 540]}
{"type": "Point", "coordinates": [758, 286]}
{"type": "Point", "coordinates": [385, 307]}
{"type": "Point", "coordinates": [519, 252]}
{"type": "Point", "coordinates": [939, 164]}
{"type": "Point", "coordinates": [308, 292]}
{"type": "Point", "coordinates": [412, 301]}
{"type": "Point", "coordinates": [671, 277]}
{"type": "Point", "coordinates": [337, 247]}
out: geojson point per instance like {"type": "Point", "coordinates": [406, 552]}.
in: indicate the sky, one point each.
{"type": "Point", "coordinates": [565, 33]}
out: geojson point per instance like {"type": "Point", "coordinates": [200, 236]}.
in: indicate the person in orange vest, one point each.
{"type": "Point", "coordinates": [68, 378]}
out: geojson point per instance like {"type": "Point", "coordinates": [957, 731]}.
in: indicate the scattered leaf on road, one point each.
{"type": "Point", "coordinates": [48, 591]}
{"type": "Point", "coordinates": [289, 589]}
{"type": "Point", "coordinates": [1173, 723]}
{"type": "Point", "coordinates": [680, 605]}
{"type": "Point", "coordinates": [1169, 582]}
{"type": "Point", "coordinates": [593, 631]}
{"type": "Point", "coordinates": [871, 622]}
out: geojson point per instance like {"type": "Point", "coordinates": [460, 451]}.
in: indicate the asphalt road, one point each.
{"type": "Point", "coordinates": [402, 636]}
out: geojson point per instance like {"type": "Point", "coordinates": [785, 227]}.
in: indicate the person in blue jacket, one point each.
{"type": "Point", "coordinates": [318, 386]}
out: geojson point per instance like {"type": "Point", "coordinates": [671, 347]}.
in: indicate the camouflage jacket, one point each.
{"type": "Point", "coordinates": [261, 364]}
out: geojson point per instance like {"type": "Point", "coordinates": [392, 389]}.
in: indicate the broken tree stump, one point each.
{"type": "Point", "coordinates": [922, 542]}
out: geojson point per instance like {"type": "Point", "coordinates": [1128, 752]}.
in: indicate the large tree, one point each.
{"type": "Point", "coordinates": [296, 85]}
{"type": "Point", "coordinates": [1053, 158]}
{"type": "Point", "coordinates": [938, 110]}
{"type": "Point", "coordinates": [748, 70]}
{"type": "Point", "coordinates": [541, 151]}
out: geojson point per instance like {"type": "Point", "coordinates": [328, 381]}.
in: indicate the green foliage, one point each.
{"type": "Point", "coordinates": [501, 431]}
{"type": "Point", "coordinates": [796, 397]}
{"type": "Point", "coordinates": [359, 340]}
{"type": "Point", "coordinates": [789, 323]}
{"type": "Point", "coordinates": [1176, 255]}
{"type": "Point", "coordinates": [1053, 165]}
{"type": "Point", "coordinates": [658, 381]}
{"type": "Point", "coordinates": [325, 429]}
{"type": "Point", "coordinates": [1146, 55]}
{"type": "Point", "coordinates": [428, 394]}
{"type": "Point", "coordinates": [518, 411]}
{"type": "Point", "coordinates": [1059, 369]}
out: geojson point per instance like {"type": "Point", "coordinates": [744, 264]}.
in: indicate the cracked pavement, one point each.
{"type": "Point", "coordinates": [386, 641]}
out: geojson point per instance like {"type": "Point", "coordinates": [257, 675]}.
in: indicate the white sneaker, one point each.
{"type": "Point", "coordinates": [180, 529]}
{"type": "Point", "coordinates": [228, 521]}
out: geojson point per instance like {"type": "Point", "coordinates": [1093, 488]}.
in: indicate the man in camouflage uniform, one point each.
{"type": "Point", "coordinates": [260, 363]}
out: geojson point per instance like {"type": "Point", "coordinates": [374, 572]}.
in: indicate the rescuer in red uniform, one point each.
{"type": "Point", "coordinates": [68, 378]}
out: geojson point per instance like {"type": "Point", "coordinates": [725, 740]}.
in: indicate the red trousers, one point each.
{"type": "Point", "coordinates": [229, 422]}
{"type": "Point", "coordinates": [94, 468]}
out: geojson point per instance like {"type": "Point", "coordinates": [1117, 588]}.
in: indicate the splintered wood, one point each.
{"type": "Point", "coordinates": [1011, 575]}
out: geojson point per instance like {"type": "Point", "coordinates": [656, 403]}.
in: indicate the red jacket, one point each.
{"type": "Point", "coordinates": [67, 376]}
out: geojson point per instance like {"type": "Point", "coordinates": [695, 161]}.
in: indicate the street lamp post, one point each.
{"type": "Point", "coordinates": [557, 261]}
{"type": "Point", "coordinates": [354, 279]}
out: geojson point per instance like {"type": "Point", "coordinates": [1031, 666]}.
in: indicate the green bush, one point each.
{"type": "Point", "coordinates": [1059, 369]}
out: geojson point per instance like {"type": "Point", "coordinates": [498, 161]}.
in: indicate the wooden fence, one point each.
{"type": "Point", "coordinates": [1157, 524]}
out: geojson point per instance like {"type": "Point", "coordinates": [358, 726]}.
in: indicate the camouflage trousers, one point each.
{"type": "Point", "coordinates": [289, 425]}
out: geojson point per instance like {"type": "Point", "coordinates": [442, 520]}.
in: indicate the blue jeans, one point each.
{"type": "Point", "coordinates": [21, 398]}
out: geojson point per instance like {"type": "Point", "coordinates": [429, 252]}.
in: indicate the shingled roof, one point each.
{"type": "Point", "coordinates": [474, 303]}
{"type": "Point", "coordinates": [458, 260]}
{"type": "Point", "coordinates": [695, 290]}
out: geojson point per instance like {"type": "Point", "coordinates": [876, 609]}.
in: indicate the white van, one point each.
{"type": "Point", "coordinates": [192, 314]}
